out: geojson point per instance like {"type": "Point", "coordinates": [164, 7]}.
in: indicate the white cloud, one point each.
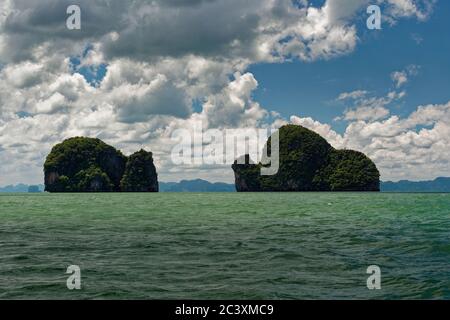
{"type": "Point", "coordinates": [402, 77]}
{"type": "Point", "coordinates": [417, 147]}
{"type": "Point", "coordinates": [358, 94]}
{"type": "Point", "coordinates": [370, 108]}
{"type": "Point", "coordinates": [136, 103]}
{"type": "Point", "coordinates": [22, 75]}
{"type": "Point", "coordinates": [162, 56]}
{"type": "Point", "coordinates": [367, 113]}
{"type": "Point", "coordinates": [234, 107]}
{"type": "Point", "coordinates": [253, 30]}
{"type": "Point", "coordinates": [410, 8]}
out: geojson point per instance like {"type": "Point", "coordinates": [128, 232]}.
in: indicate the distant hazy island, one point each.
{"type": "Point", "coordinates": [309, 163]}
{"type": "Point", "coordinates": [198, 185]}
{"type": "Point", "coordinates": [438, 185]}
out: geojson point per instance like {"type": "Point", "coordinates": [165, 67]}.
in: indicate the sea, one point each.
{"type": "Point", "coordinates": [225, 246]}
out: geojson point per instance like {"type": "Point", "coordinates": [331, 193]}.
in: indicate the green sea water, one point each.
{"type": "Point", "coordinates": [225, 246]}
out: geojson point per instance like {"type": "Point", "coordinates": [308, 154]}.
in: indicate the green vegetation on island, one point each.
{"type": "Point", "coordinates": [309, 163]}
{"type": "Point", "coordinates": [89, 165]}
{"type": "Point", "coordinates": [140, 173]}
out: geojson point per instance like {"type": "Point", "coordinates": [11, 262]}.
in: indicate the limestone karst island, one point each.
{"type": "Point", "coordinates": [90, 165]}
{"type": "Point", "coordinates": [307, 163]}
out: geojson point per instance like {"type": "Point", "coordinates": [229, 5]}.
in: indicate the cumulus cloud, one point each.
{"type": "Point", "coordinates": [252, 30]}
{"type": "Point", "coordinates": [136, 103]}
{"type": "Point", "coordinates": [23, 75]}
{"type": "Point", "coordinates": [234, 107]}
{"type": "Point", "coordinates": [167, 64]}
{"type": "Point", "coordinates": [366, 107]}
{"type": "Point", "coordinates": [366, 113]}
{"type": "Point", "coordinates": [415, 147]}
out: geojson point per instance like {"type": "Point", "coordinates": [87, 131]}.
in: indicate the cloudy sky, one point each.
{"type": "Point", "coordinates": [138, 70]}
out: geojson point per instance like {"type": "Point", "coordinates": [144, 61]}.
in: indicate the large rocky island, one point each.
{"type": "Point", "coordinates": [89, 165]}
{"type": "Point", "coordinates": [309, 163]}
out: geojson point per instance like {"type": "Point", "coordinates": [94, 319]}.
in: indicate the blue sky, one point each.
{"type": "Point", "coordinates": [311, 88]}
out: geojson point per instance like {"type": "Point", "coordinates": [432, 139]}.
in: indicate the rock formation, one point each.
{"type": "Point", "coordinates": [309, 163]}
{"type": "Point", "coordinates": [140, 173]}
{"type": "Point", "coordinates": [89, 165]}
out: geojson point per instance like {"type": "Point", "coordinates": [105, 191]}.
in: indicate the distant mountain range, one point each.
{"type": "Point", "coordinates": [20, 188]}
{"type": "Point", "coordinates": [182, 186]}
{"type": "Point", "coordinates": [196, 186]}
{"type": "Point", "coordinates": [437, 185]}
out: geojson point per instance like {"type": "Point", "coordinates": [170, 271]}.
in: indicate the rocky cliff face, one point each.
{"type": "Point", "coordinates": [309, 163]}
{"type": "Point", "coordinates": [90, 165]}
{"type": "Point", "coordinates": [140, 173]}
{"type": "Point", "coordinates": [247, 176]}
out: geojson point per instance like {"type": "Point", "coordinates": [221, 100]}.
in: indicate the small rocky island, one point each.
{"type": "Point", "coordinates": [309, 163]}
{"type": "Point", "coordinates": [89, 165]}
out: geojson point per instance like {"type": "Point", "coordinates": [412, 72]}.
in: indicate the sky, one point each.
{"type": "Point", "coordinates": [138, 71]}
